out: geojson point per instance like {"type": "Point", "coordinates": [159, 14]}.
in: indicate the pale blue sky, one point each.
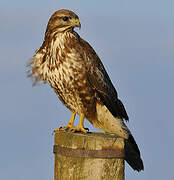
{"type": "Point", "coordinates": [134, 39]}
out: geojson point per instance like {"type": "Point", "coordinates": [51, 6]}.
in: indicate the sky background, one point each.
{"type": "Point", "coordinates": [135, 41]}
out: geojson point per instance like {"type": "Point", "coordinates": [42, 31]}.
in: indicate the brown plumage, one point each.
{"type": "Point", "coordinates": [75, 72]}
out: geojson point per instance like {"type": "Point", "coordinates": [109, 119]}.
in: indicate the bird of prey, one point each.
{"type": "Point", "coordinates": [75, 72]}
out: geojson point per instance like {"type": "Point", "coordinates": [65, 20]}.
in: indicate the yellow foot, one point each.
{"type": "Point", "coordinates": [66, 128]}
{"type": "Point", "coordinates": [80, 129]}
{"type": "Point", "coordinates": [70, 124]}
{"type": "Point", "coordinates": [73, 129]}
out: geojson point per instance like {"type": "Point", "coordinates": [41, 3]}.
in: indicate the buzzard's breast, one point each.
{"type": "Point", "coordinates": [68, 79]}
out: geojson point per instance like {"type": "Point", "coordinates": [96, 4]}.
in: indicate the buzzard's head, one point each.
{"type": "Point", "coordinates": [62, 20]}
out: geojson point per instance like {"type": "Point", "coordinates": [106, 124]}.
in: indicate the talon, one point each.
{"type": "Point", "coordinates": [80, 129]}
{"type": "Point", "coordinates": [87, 129]}
{"type": "Point", "coordinates": [83, 130]}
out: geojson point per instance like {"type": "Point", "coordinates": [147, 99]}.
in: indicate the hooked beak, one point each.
{"type": "Point", "coordinates": [77, 23]}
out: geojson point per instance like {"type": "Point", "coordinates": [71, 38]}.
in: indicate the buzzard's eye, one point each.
{"type": "Point", "coordinates": [65, 18]}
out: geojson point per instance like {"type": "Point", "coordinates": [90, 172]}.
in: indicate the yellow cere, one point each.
{"type": "Point", "coordinates": [76, 20]}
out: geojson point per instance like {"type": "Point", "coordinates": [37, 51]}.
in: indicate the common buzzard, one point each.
{"type": "Point", "coordinates": [75, 72]}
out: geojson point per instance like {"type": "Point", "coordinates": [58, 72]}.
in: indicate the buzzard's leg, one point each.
{"type": "Point", "coordinates": [71, 128]}
{"type": "Point", "coordinates": [71, 122]}
{"type": "Point", "coordinates": [70, 125]}
{"type": "Point", "coordinates": [80, 127]}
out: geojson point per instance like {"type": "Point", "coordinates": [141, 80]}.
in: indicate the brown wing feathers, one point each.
{"type": "Point", "coordinates": [101, 82]}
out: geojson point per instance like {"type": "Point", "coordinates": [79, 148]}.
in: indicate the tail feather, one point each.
{"type": "Point", "coordinates": [107, 122]}
{"type": "Point", "coordinates": [132, 154]}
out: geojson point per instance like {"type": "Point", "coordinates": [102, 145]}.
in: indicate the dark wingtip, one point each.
{"type": "Point", "coordinates": [132, 154]}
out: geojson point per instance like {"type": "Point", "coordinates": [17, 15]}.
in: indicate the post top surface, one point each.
{"type": "Point", "coordinates": [89, 134]}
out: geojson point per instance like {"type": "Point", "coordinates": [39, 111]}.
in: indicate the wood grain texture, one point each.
{"type": "Point", "coordinates": [88, 168]}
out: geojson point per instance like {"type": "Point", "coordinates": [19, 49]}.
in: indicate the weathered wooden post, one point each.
{"type": "Point", "coordinates": [91, 156]}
